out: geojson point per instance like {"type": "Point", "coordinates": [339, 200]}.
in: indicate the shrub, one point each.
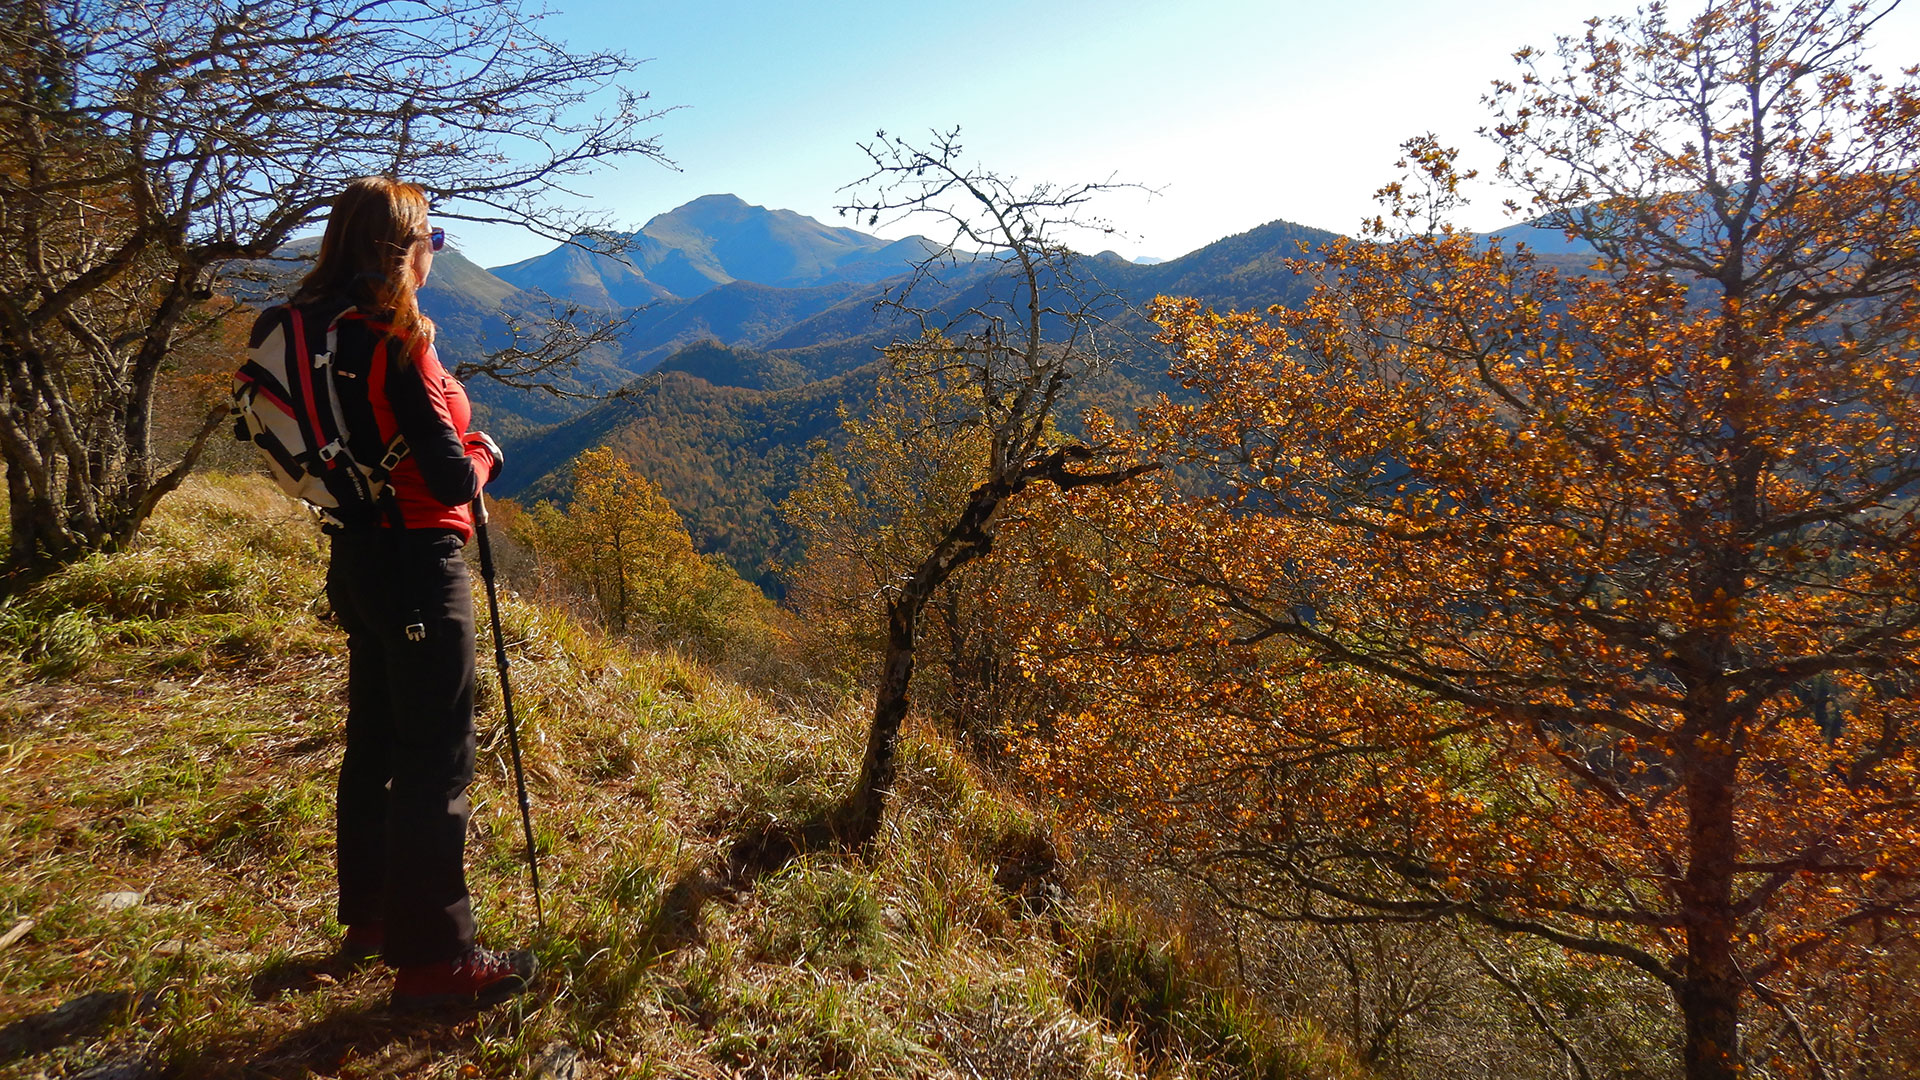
{"type": "Point", "coordinates": [1144, 979]}
{"type": "Point", "coordinates": [53, 645]}
{"type": "Point", "coordinates": [824, 916]}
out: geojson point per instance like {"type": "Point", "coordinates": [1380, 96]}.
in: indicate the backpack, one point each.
{"type": "Point", "coordinates": [307, 409]}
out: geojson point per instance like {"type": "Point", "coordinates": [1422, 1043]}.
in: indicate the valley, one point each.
{"type": "Point", "coordinates": [748, 329]}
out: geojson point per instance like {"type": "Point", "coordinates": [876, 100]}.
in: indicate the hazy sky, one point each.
{"type": "Point", "coordinates": [1238, 111]}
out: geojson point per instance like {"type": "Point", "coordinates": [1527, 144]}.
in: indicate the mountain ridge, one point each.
{"type": "Point", "coordinates": [707, 243]}
{"type": "Point", "coordinates": [772, 335]}
{"type": "Point", "coordinates": [724, 426]}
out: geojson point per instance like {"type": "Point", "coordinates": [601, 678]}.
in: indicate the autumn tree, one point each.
{"type": "Point", "coordinates": [866, 511]}
{"type": "Point", "coordinates": [1006, 322]}
{"type": "Point", "coordinates": [619, 542]}
{"type": "Point", "coordinates": [1575, 599]}
{"type": "Point", "coordinates": [145, 147]}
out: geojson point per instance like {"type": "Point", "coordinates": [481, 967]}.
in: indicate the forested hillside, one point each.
{"type": "Point", "coordinates": [723, 454]}
{"type": "Point", "coordinates": [725, 459]}
{"type": "Point", "coordinates": [727, 453]}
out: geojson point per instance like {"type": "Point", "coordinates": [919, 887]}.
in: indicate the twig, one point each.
{"type": "Point", "coordinates": [1793, 1025]}
{"type": "Point", "coordinates": [19, 931]}
{"type": "Point", "coordinates": [1534, 1010]}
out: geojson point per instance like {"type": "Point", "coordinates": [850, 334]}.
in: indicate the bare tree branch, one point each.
{"type": "Point", "coordinates": [147, 147]}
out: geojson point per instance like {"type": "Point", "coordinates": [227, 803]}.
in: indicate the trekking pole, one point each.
{"type": "Point", "coordinates": [506, 698]}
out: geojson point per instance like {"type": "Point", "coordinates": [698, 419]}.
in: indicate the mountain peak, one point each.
{"type": "Point", "coordinates": [712, 241]}
{"type": "Point", "coordinates": [707, 208]}
{"type": "Point", "coordinates": [726, 199]}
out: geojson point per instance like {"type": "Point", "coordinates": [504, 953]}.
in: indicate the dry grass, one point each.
{"type": "Point", "coordinates": [169, 726]}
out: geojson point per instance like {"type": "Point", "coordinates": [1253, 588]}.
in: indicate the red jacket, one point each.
{"type": "Point", "coordinates": [436, 483]}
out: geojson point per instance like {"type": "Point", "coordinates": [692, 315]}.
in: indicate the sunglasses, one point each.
{"type": "Point", "coordinates": [436, 238]}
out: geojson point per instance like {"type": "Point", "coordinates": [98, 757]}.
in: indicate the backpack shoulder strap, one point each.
{"type": "Point", "coordinates": [270, 363]}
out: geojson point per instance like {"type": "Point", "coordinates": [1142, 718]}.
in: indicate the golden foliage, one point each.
{"type": "Point", "coordinates": [1583, 604]}
{"type": "Point", "coordinates": [869, 512]}
{"type": "Point", "coordinates": [622, 546]}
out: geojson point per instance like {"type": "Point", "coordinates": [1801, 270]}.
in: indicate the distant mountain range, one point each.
{"type": "Point", "coordinates": [746, 330]}
{"type": "Point", "coordinates": [742, 376]}
{"type": "Point", "coordinates": [712, 241]}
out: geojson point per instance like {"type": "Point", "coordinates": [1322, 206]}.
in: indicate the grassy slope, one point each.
{"type": "Point", "coordinates": [169, 725]}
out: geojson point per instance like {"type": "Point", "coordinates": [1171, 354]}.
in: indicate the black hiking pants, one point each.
{"type": "Point", "coordinates": [403, 597]}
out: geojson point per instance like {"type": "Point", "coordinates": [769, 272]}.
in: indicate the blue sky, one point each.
{"type": "Point", "coordinates": [1240, 112]}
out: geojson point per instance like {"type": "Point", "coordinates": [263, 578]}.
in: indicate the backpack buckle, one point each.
{"type": "Point", "coordinates": [396, 452]}
{"type": "Point", "coordinates": [330, 451]}
{"type": "Point", "coordinates": [322, 359]}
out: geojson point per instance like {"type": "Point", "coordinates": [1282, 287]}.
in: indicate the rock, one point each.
{"type": "Point", "coordinates": [119, 901]}
{"type": "Point", "coordinates": [559, 1062]}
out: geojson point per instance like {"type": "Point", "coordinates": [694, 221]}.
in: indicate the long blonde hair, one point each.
{"type": "Point", "coordinates": [371, 230]}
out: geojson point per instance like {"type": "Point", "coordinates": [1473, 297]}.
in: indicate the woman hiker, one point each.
{"type": "Point", "coordinates": [399, 587]}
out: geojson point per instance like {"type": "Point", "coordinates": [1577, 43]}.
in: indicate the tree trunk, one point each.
{"type": "Point", "coordinates": [37, 538]}
{"type": "Point", "coordinates": [1711, 986]}
{"type": "Point", "coordinates": [857, 820]}
{"type": "Point", "coordinates": [1710, 1008]}
{"type": "Point", "coordinates": [62, 504]}
{"type": "Point", "coordinates": [19, 516]}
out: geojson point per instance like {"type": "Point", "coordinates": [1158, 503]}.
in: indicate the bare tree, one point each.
{"type": "Point", "coordinates": [146, 144]}
{"type": "Point", "coordinates": [545, 346]}
{"type": "Point", "coordinates": [1003, 316]}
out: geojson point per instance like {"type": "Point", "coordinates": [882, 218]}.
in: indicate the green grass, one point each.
{"type": "Point", "coordinates": [170, 724]}
{"type": "Point", "coordinates": [1143, 978]}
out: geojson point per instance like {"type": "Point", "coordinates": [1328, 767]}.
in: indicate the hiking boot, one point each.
{"type": "Point", "coordinates": [362, 945]}
{"type": "Point", "coordinates": [481, 977]}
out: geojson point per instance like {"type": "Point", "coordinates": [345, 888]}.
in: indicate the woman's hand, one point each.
{"type": "Point", "coordinates": [482, 439]}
